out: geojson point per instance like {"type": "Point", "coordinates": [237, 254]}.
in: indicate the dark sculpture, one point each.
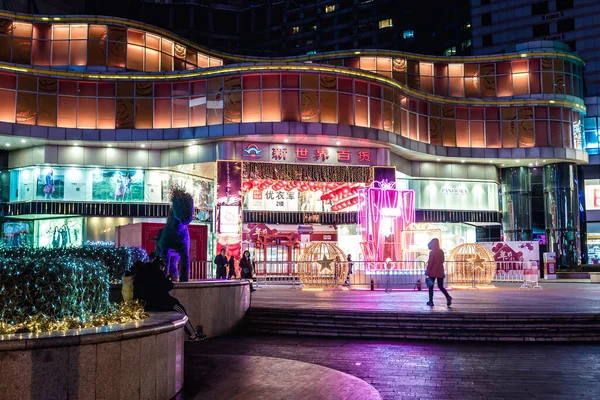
{"type": "Point", "coordinates": [173, 241]}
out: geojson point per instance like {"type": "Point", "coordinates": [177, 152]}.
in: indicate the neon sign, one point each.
{"type": "Point", "coordinates": [252, 151]}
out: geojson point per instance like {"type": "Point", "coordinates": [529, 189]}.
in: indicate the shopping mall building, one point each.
{"type": "Point", "coordinates": [99, 116]}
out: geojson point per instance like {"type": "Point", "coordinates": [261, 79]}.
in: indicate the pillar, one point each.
{"type": "Point", "coordinates": [516, 204]}
{"type": "Point", "coordinates": [561, 204]}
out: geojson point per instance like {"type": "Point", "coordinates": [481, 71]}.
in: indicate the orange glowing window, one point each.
{"type": "Point", "coordinates": [162, 113]}
{"type": "Point", "coordinates": [79, 31]}
{"type": "Point", "coordinates": [180, 112]}
{"type": "Point", "coordinates": [271, 106]}
{"type": "Point", "coordinates": [7, 105]}
{"type": "Point", "coordinates": [106, 113]}
{"type": "Point", "coordinates": [86, 113]}
{"type": "Point", "coordinates": [67, 112]}
{"type": "Point", "coordinates": [251, 106]}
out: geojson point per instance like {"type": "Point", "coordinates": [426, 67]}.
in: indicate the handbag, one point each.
{"type": "Point", "coordinates": [428, 282]}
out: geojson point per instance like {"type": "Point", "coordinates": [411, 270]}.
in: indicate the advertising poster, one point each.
{"type": "Point", "coordinates": [59, 232]}
{"type": "Point", "coordinates": [50, 184]}
{"type": "Point", "coordinates": [18, 234]}
{"type": "Point", "coordinates": [509, 255]}
{"type": "Point", "coordinates": [118, 185]}
{"type": "Point", "coordinates": [229, 201]}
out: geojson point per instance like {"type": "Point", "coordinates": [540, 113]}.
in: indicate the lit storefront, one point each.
{"type": "Point", "coordinates": [592, 206]}
{"type": "Point", "coordinates": [101, 116]}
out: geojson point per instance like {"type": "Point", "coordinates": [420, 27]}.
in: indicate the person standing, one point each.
{"type": "Point", "coordinates": [221, 263]}
{"type": "Point", "coordinates": [246, 267]}
{"type": "Point", "coordinates": [231, 264]}
{"type": "Point", "coordinates": [350, 264]}
{"type": "Point", "coordinates": [435, 270]}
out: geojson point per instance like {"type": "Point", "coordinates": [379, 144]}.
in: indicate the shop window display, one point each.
{"type": "Point", "coordinates": [59, 232]}
{"type": "Point", "coordinates": [118, 185]}
{"type": "Point", "coordinates": [17, 234]}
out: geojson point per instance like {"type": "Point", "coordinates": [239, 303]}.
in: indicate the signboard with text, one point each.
{"type": "Point", "coordinates": [306, 154]}
{"type": "Point", "coordinates": [592, 194]}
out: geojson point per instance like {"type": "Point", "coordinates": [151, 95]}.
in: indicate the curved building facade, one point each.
{"type": "Point", "coordinates": [99, 116]}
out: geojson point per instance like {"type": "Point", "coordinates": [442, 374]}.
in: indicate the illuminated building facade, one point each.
{"type": "Point", "coordinates": [99, 115]}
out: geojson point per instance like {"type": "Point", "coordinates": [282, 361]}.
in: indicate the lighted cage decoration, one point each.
{"type": "Point", "coordinates": [322, 265]}
{"type": "Point", "coordinates": [469, 264]}
{"type": "Point", "coordinates": [384, 213]}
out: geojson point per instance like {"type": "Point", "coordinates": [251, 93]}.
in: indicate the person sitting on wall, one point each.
{"type": "Point", "coordinates": [152, 287]}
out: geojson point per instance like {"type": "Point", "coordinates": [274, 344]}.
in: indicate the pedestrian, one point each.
{"type": "Point", "coordinates": [152, 287]}
{"type": "Point", "coordinates": [350, 264]}
{"type": "Point", "coordinates": [221, 263]}
{"type": "Point", "coordinates": [435, 270]}
{"type": "Point", "coordinates": [246, 267]}
{"type": "Point", "coordinates": [231, 264]}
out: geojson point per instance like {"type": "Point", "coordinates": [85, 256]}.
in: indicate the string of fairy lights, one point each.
{"type": "Point", "coordinates": [49, 289]}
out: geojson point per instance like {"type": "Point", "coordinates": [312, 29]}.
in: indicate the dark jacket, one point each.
{"type": "Point", "coordinates": [152, 287]}
{"type": "Point", "coordinates": [435, 264]}
{"type": "Point", "coordinates": [246, 267]}
{"type": "Point", "coordinates": [221, 261]}
{"type": "Point", "coordinates": [231, 262]}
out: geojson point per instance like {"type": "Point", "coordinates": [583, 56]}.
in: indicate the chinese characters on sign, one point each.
{"type": "Point", "coordinates": [291, 153]}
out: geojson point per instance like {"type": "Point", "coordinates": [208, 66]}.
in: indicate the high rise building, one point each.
{"type": "Point", "coordinates": [503, 26]}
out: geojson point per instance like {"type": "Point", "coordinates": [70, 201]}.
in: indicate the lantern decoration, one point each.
{"type": "Point", "coordinates": [322, 265]}
{"type": "Point", "coordinates": [384, 213]}
{"type": "Point", "coordinates": [469, 264]}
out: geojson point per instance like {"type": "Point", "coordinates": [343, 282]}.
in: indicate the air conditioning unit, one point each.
{"type": "Point", "coordinates": [555, 38]}
{"type": "Point", "coordinates": [551, 16]}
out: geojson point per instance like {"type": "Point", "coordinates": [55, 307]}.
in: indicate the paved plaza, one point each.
{"type": "Point", "coordinates": [278, 367]}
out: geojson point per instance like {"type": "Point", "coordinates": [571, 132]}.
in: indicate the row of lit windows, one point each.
{"type": "Point", "coordinates": [77, 107]}
{"type": "Point", "coordinates": [490, 79]}
{"type": "Point", "coordinates": [63, 45]}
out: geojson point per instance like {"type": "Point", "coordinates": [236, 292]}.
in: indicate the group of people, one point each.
{"type": "Point", "coordinates": [246, 266]}
{"type": "Point", "coordinates": [152, 287]}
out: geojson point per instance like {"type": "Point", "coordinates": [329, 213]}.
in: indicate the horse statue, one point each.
{"type": "Point", "coordinates": [173, 241]}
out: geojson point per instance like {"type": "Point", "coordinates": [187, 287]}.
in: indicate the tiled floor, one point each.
{"type": "Point", "coordinates": [404, 370]}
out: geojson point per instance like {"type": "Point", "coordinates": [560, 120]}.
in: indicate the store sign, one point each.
{"type": "Point", "coordinates": [309, 154]}
{"type": "Point", "coordinates": [453, 195]}
{"type": "Point", "coordinates": [592, 195]}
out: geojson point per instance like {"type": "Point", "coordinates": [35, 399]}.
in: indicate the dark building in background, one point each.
{"type": "Point", "coordinates": [286, 28]}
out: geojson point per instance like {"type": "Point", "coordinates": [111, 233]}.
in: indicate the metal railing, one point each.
{"type": "Point", "coordinates": [202, 270]}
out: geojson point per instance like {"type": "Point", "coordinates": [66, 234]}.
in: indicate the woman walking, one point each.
{"type": "Point", "coordinates": [246, 267]}
{"type": "Point", "coordinates": [435, 270]}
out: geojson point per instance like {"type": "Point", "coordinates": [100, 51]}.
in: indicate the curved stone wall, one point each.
{"type": "Point", "coordinates": [130, 361]}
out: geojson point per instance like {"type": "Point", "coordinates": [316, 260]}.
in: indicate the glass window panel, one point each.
{"type": "Point", "coordinates": [117, 54]}
{"type": "Point", "coordinates": [367, 63]}
{"type": "Point", "coordinates": [26, 108]}
{"type": "Point", "coordinates": [472, 86]}
{"type": "Point", "coordinates": [21, 51]}
{"type": "Point", "coordinates": [535, 85]}
{"type": "Point", "coordinates": [568, 84]}
{"type": "Point", "coordinates": [456, 70]}
{"type": "Point", "coordinates": [202, 61]}
{"type": "Point", "coordinates": [124, 89]}
{"type": "Point", "coordinates": [143, 89]}
{"type": "Point", "coordinates": [143, 113]}
{"type": "Point", "coordinates": [135, 37]}
{"type": "Point", "coordinates": [106, 113]}
{"type": "Point", "coordinates": [526, 127]}
{"type": "Point", "coordinates": [384, 64]}
{"type": "Point", "coordinates": [462, 134]}
{"type": "Point", "coordinates": [67, 87]}
{"type": "Point", "coordinates": [87, 89]}
{"type": "Point", "coordinates": [180, 112]}
{"type": "Point", "coordinates": [388, 116]}
{"type": "Point", "coordinates": [271, 81]}
{"type": "Point", "coordinates": [310, 105]}
{"type": "Point", "coordinates": [60, 52]}
{"type": "Point", "coordinates": [124, 114]}
{"type": "Point", "coordinates": [28, 83]}
{"type": "Point", "coordinates": [290, 105]}
{"type": "Point", "coordinates": [476, 113]}
{"type": "Point", "coordinates": [215, 85]}
{"type": "Point", "coordinates": [24, 29]}
{"type": "Point", "coordinates": [567, 135]}
{"type": "Point", "coordinates": [566, 115]}
{"type": "Point", "coordinates": [388, 94]}
{"type": "Point", "coordinates": [233, 82]}
{"type": "Point", "coordinates": [40, 51]}
{"type": "Point", "coordinates": [541, 133]}
{"type": "Point", "coordinates": [251, 81]}
{"type": "Point", "coordinates": [559, 83]}
{"type": "Point", "coordinates": [309, 81]}
{"type": "Point", "coordinates": [329, 107]}
{"type": "Point", "coordinates": [492, 134]}
{"type": "Point", "coordinates": [60, 32]}
{"type": "Point", "coordinates": [521, 84]}
{"type": "Point", "coordinates": [96, 53]}
{"type": "Point", "coordinates": [152, 41]}
{"type": "Point", "coordinates": [162, 90]}
{"type": "Point", "coordinates": [427, 84]}
{"type": "Point", "coordinates": [152, 60]}
{"type": "Point", "coordinates": [555, 134]}
{"type": "Point", "coordinates": [492, 113]}
{"type": "Point", "coordinates": [487, 81]}
{"type": "Point", "coordinates": [346, 114]}
{"type": "Point", "coordinates": [328, 82]}
{"type": "Point", "coordinates": [361, 87]}
{"type": "Point", "coordinates": [86, 112]}
{"type": "Point", "coordinates": [271, 106]}
{"type": "Point", "coordinates": [423, 130]}
{"type": "Point", "coordinates": [534, 65]}
{"type": "Point", "coordinates": [117, 34]}
{"type": "Point", "coordinates": [214, 109]}
{"type": "Point", "coordinates": [404, 123]}
{"type": "Point", "coordinates": [215, 62]}
{"type": "Point", "coordinates": [375, 111]}
{"type": "Point", "coordinates": [547, 83]}
{"type": "Point", "coordinates": [477, 134]}
{"type": "Point", "coordinates": [162, 113]}
{"type": "Point", "coordinates": [509, 134]}
{"type": "Point", "coordinates": [7, 105]}
{"type": "Point", "coordinates": [435, 131]}
{"type": "Point", "coordinates": [555, 113]}
{"type": "Point", "coordinates": [503, 68]}
{"type": "Point", "coordinates": [233, 108]}
{"type": "Point", "coordinates": [449, 138]}
{"type": "Point", "coordinates": [426, 69]}
{"type": "Point", "coordinates": [441, 85]}
{"type": "Point", "coordinates": [397, 119]}
{"type": "Point", "coordinates": [361, 108]}
{"type": "Point", "coordinates": [135, 57]}
{"type": "Point", "coordinates": [251, 106]}
{"type": "Point", "coordinates": [198, 111]}
{"type": "Point", "coordinates": [191, 58]}
{"type": "Point", "coordinates": [166, 62]}
{"type": "Point", "coordinates": [167, 46]}
{"type": "Point", "coordinates": [290, 81]}
{"type": "Point", "coordinates": [462, 112]}
{"type": "Point", "coordinates": [67, 112]}
{"type": "Point", "coordinates": [541, 112]}
{"type": "Point", "coordinates": [505, 86]}
{"type": "Point", "coordinates": [5, 44]}
{"type": "Point", "coordinates": [198, 88]}
{"type": "Point", "coordinates": [521, 66]}
{"type": "Point", "coordinates": [79, 31]}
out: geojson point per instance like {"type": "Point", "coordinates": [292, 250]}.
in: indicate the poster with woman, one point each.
{"type": "Point", "coordinates": [59, 232]}
{"type": "Point", "coordinates": [118, 185]}
{"type": "Point", "coordinates": [50, 184]}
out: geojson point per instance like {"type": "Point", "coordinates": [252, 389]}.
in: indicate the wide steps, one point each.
{"type": "Point", "coordinates": [435, 326]}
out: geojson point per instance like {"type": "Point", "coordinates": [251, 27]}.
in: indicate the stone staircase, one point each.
{"type": "Point", "coordinates": [420, 326]}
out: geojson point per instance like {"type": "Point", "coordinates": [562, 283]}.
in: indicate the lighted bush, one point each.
{"type": "Point", "coordinates": [115, 260]}
{"type": "Point", "coordinates": [57, 288]}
